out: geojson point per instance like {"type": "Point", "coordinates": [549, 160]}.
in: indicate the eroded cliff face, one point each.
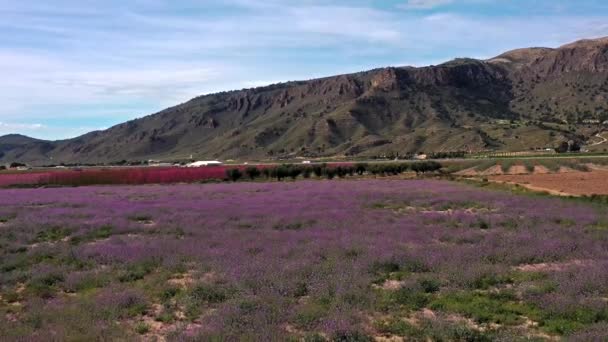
{"type": "Point", "coordinates": [438, 108]}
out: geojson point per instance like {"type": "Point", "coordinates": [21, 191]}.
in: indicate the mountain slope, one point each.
{"type": "Point", "coordinates": [522, 99]}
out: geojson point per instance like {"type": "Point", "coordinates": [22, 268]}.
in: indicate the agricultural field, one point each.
{"type": "Point", "coordinates": [311, 260]}
{"type": "Point", "coordinates": [563, 184]}
{"type": "Point", "coordinates": [557, 176]}
{"type": "Point", "coordinates": [112, 176]}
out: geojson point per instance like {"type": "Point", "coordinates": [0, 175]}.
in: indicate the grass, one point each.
{"type": "Point", "coordinates": [500, 308]}
{"type": "Point", "coordinates": [136, 271]}
{"type": "Point", "coordinates": [142, 328]}
{"type": "Point", "coordinates": [101, 233]}
{"type": "Point", "coordinates": [52, 234]}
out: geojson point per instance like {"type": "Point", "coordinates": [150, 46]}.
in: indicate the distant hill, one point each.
{"type": "Point", "coordinates": [522, 99]}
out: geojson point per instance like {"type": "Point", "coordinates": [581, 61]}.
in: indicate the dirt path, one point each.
{"type": "Point", "coordinates": [603, 140]}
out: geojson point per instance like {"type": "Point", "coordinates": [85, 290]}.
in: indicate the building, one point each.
{"type": "Point", "coordinates": [204, 163]}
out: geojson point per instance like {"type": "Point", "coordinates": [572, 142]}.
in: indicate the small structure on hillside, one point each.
{"type": "Point", "coordinates": [202, 163]}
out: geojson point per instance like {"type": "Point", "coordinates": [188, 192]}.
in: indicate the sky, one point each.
{"type": "Point", "coordinates": [71, 66]}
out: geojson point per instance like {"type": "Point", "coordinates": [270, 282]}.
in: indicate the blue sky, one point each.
{"type": "Point", "coordinates": [71, 66]}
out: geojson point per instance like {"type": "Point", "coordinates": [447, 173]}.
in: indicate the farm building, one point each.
{"type": "Point", "coordinates": [204, 163]}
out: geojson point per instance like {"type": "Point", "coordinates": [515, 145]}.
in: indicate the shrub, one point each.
{"type": "Point", "coordinates": [351, 336]}
{"type": "Point", "coordinates": [361, 168]}
{"type": "Point", "coordinates": [252, 172]}
{"type": "Point", "coordinates": [142, 328]}
{"type": "Point", "coordinates": [306, 172]}
{"type": "Point", "coordinates": [397, 327]}
{"type": "Point", "coordinates": [136, 271]}
{"type": "Point", "coordinates": [282, 172]}
{"type": "Point", "coordinates": [15, 165]}
{"type": "Point", "coordinates": [45, 285]}
{"type": "Point", "coordinates": [310, 315]}
{"type": "Point", "coordinates": [294, 172]}
{"type": "Point", "coordinates": [430, 285]}
{"type": "Point", "coordinates": [315, 337]}
{"type": "Point", "coordinates": [101, 233]}
{"type": "Point", "coordinates": [413, 297]}
{"type": "Point", "coordinates": [205, 293]}
{"type": "Point", "coordinates": [81, 281]}
{"type": "Point", "coordinates": [319, 170]}
{"type": "Point", "coordinates": [427, 166]}
{"type": "Point", "coordinates": [120, 303]}
{"type": "Point", "coordinates": [500, 308]}
{"type": "Point", "coordinates": [330, 173]}
{"type": "Point", "coordinates": [234, 174]}
{"type": "Point", "coordinates": [52, 234]}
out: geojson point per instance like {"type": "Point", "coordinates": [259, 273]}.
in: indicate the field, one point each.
{"type": "Point", "coordinates": [566, 184]}
{"type": "Point", "coordinates": [342, 260]}
{"type": "Point", "coordinates": [98, 176]}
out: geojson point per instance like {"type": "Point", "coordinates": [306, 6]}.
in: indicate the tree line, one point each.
{"type": "Point", "coordinates": [292, 171]}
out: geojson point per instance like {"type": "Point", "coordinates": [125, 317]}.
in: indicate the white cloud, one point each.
{"type": "Point", "coordinates": [424, 4]}
{"type": "Point", "coordinates": [19, 126]}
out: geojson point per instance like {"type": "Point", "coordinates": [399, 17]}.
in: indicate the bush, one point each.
{"type": "Point", "coordinates": [430, 285]}
{"type": "Point", "coordinates": [136, 271]}
{"type": "Point", "coordinates": [361, 168]}
{"type": "Point", "coordinates": [306, 172]}
{"type": "Point", "coordinates": [252, 172]}
{"type": "Point", "coordinates": [15, 165]}
{"type": "Point", "coordinates": [427, 166]}
{"type": "Point", "coordinates": [351, 336]}
{"type": "Point", "coordinates": [234, 174]}
{"type": "Point", "coordinates": [204, 293]}
{"type": "Point", "coordinates": [52, 234]}
{"type": "Point", "coordinates": [310, 315]}
{"type": "Point", "coordinates": [330, 173]}
{"type": "Point", "coordinates": [142, 328]}
{"type": "Point", "coordinates": [45, 285]}
{"type": "Point", "coordinates": [294, 171]}
{"type": "Point", "coordinates": [282, 172]}
{"type": "Point", "coordinates": [319, 170]}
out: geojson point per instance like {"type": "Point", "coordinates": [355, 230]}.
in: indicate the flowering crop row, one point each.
{"type": "Point", "coordinates": [134, 176]}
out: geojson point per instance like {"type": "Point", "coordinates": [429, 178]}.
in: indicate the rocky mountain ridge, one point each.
{"type": "Point", "coordinates": [522, 99]}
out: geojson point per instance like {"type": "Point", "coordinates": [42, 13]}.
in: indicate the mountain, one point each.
{"type": "Point", "coordinates": [522, 99]}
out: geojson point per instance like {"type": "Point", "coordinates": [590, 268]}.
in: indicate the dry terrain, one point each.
{"type": "Point", "coordinates": [563, 183]}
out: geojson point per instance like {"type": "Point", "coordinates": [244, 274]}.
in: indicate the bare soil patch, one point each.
{"type": "Point", "coordinates": [565, 184]}
{"type": "Point", "coordinates": [518, 170]}
{"type": "Point", "coordinates": [553, 266]}
{"type": "Point", "coordinates": [597, 167]}
{"type": "Point", "coordinates": [468, 172]}
{"type": "Point", "coordinates": [494, 170]}
{"type": "Point", "coordinates": [565, 169]}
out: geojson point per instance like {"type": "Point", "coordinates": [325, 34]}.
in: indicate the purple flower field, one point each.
{"type": "Point", "coordinates": [304, 261]}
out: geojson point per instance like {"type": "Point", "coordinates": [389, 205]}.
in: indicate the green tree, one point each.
{"type": "Point", "coordinates": [234, 174]}
{"type": "Point", "coordinates": [253, 172]}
